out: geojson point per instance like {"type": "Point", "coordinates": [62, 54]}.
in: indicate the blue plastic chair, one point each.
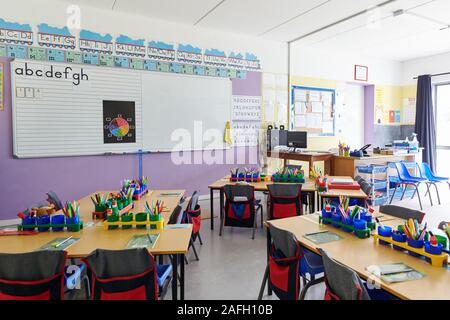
{"type": "Point", "coordinates": [164, 272]}
{"type": "Point", "coordinates": [312, 264]}
{"type": "Point", "coordinates": [426, 172]}
{"type": "Point", "coordinates": [405, 180]}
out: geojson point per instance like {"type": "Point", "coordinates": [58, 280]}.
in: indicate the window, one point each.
{"type": "Point", "coordinates": [443, 128]}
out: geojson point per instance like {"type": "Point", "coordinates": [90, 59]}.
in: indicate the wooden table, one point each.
{"type": "Point", "coordinates": [336, 193]}
{"type": "Point", "coordinates": [174, 242]}
{"type": "Point", "coordinates": [358, 254]}
{"type": "Point", "coordinates": [345, 166]}
{"type": "Point", "coordinates": [310, 157]}
{"type": "Point", "coordinates": [308, 187]}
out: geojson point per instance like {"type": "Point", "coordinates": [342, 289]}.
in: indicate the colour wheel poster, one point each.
{"type": "Point", "coordinates": [119, 122]}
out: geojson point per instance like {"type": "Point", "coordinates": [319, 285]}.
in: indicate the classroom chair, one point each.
{"type": "Point", "coordinates": [241, 208]}
{"type": "Point", "coordinates": [193, 215]}
{"type": "Point", "coordinates": [405, 179]}
{"type": "Point", "coordinates": [123, 275]}
{"type": "Point", "coordinates": [342, 283]}
{"type": "Point", "coordinates": [32, 276]}
{"type": "Point", "coordinates": [285, 201]}
{"type": "Point", "coordinates": [179, 216]}
{"type": "Point", "coordinates": [306, 197]}
{"type": "Point", "coordinates": [288, 261]}
{"type": "Point", "coordinates": [403, 213]}
{"type": "Point", "coordinates": [427, 173]}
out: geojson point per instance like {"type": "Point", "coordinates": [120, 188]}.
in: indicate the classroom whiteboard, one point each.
{"type": "Point", "coordinates": [64, 116]}
{"type": "Point", "coordinates": [184, 112]}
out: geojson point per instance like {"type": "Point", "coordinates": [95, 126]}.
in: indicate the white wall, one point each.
{"type": "Point", "coordinates": [428, 65]}
{"type": "Point", "coordinates": [273, 55]}
{"type": "Point", "coordinates": [339, 65]}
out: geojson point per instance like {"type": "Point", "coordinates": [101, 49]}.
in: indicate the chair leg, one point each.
{"type": "Point", "coordinates": [418, 196]}
{"type": "Point", "coordinates": [221, 227]}
{"type": "Point", "coordinates": [195, 250]}
{"type": "Point", "coordinates": [393, 194]}
{"type": "Point", "coordinates": [437, 193]}
{"type": "Point", "coordinates": [262, 218]}
{"type": "Point", "coordinates": [311, 283]}
{"type": "Point", "coordinates": [186, 260]}
{"type": "Point", "coordinates": [87, 285]}
{"type": "Point", "coordinates": [200, 239]}
{"type": "Point", "coordinates": [429, 193]}
{"type": "Point", "coordinates": [263, 285]}
{"type": "Point", "coordinates": [404, 192]}
{"type": "Point", "coordinates": [254, 230]}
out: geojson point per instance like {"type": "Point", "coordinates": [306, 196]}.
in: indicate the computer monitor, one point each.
{"type": "Point", "coordinates": [298, 139]}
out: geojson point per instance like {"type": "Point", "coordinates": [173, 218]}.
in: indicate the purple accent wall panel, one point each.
{"type": "Point", "coordinates": [25, 181]}
{"type": "Point", "coordinates": [369, 114]}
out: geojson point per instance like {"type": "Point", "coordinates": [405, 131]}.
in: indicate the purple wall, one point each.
{"type": "Point", "coordinates": [369, 114]}
{"type": "Point", "coordinates": [25, 181]}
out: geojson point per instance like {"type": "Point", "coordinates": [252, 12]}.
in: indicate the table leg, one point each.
{"type": "Point", "coordinates": [182, 277]}
{"type": "Point", "coordinates": [269, 244]}
{"type": "Point", "coordinates": [175, 277]}
{"type": "Point", "coordinates": [222, 200]}
{"type": "Point", "coordinates": [211, 201]}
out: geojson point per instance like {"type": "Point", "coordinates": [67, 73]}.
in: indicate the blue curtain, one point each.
{"type": "Point", "coordinates": [426, 121]}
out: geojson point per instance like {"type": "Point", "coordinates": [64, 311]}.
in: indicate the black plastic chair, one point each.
{"type": "Point", "coordinates": [123, 275]}
{"type": "Point", "coordinates": [285, 201]}
{"type": "Point", "coordinates": [32, 276]}
{"type": "Point", "coordinates": [342, 283]}
{"type": "Point", "coordinates": [240, 208]}
{"type": "Point", "coordinates": [402, 213]}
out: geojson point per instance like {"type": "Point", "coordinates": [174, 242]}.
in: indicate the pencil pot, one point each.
{"type": "Point", "coordinates": [127, 218]}
{"type": "Point", "coordinates": [43, 221]}
{"type": "Point", "coordinates": [327, 215]}
{"type": "Point", "coordinates": [234, 177]}
{"type": "Point", "coordinates": [417, 244]}
{"type": "Point", "coordinates": [73, 224]}
{"type": "Point", "coordinates": [437, 251]}
{"type": "Point", "coordinates": [115, 210]}
{"type": "Point", "coordinates": [256, 177]}
{"type": "Point", "coordinates": [284, 178]}
{"type": "Point", "coordinates": [155, 218]}
{"type": "Point", "coordinates": [337, 219]}
{"type": "Point", "coordinates": [113, 218]}
{"type": "Point", "coordinates": [348, 225]}
{"type": "Point", "coordinates": [241, 177]}
{"type": "Point", "coordinates": [360, 224]}
{"type": "Point", "coordinates": [276, 178]}
{"type": "Point", "coordinates": [120, 204]}
{"type": "Point", "coordinates": [58, 223]}
{"type": "Point", "coordinates": [29, 221]}
{"type": "Point", "coordinates": [141, 217]}
{"type": "Point", "coordinates": [399, 237]}
{"type": "Point", "coordinates": [248, 177]}
{"type": "Point", "coordinates": [385, 232]}
{"type": "Point", "coordinates": [100, 208]}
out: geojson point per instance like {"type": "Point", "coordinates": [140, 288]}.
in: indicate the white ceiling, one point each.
{"type": "Point", "coordinates": [376, 33]}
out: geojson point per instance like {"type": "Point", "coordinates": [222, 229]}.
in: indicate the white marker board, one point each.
{"type": "Point", "coordinates": [52, 116]}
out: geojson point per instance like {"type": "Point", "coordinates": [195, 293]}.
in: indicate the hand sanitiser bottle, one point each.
{"type": "Point", "coordinates": [414, 143]}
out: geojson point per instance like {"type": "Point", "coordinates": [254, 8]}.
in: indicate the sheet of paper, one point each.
{"type": "Point", "coordinates": [314, 96]}
{"type": "Point", "coordinates": [143, 241]}
{"type": "Point", "coordinates": [317, 107]}
{"type": "Point", "coordinates": [269, 79]}
{"type": "Point", "coordinates": [300, 121]}
{"type": "Point", "coordinates": [300, 96]}
{"type": "Point", "coordinates": [283, 114]}
{"type": "Point", "coordinates": [300, 108]}
{"type": "Point", "coordinates": [327, 98]}
{"type": "Point", "coordinates": [281, 81]}
{"type": "Point", "coordinates": [270, 111]}
{"type": "Point", "coordinates": [59, 244]}
{"type": "Point", "coordinates": [328, 127]}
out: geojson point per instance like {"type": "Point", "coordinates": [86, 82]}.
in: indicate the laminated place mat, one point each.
{"type": "Point", "coordinates": [143, 241]}
{"type": "Point", "coordinates": [394, 273]}
{"type": "Point", "coordinates": [59, 244]}
{"type": "Point", "coordinates": [322, 237]}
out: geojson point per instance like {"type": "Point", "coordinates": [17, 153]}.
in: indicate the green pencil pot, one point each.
{"type": "Point", "coordinates": [120, 204]}
{"type": "Point", "coordinates": [141, 217]}
{"type": "Point", "coordinates": [127, 218]}
{"type": "Point", "coordinates": [156, 218]}
{"type": "Point", "coordinates": [285, 178]}
{"type": "Point", "coordinates": [73, 224]}
{"type": "Point", "coordinates": [113, 218]}
{"type": "Point", "coordinates": [129, 201]}
{"type": "Point", "coordinates": [115, 211]}
{"type": "Point", "coordinates": [100, 208]}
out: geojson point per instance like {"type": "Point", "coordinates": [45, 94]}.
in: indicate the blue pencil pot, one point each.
{"type": "Point", "coordinates": [337, 218]}
{"type": "Point", "coordinates": [326, 215]}
{"type": "Point", "coordinates": [360, 224]}
{"type": "Point", "coordinates": [58, 220]}
{"type": "Point", "coordinates": [43, 220]}
{"type": "Point", "coordinates": [385, 232]}
{"type": "Point", "coordinates": [368, 218]}
{"type": "Point", "coordinates": [241, 176]}
{"type": "Point", "coordinates": [348, 225]}
{"type": "Point", "coordinates": [437, 251]}
{"type": "Point", "coordinates": [399, 237]}
{"type": "Point", "coordinates": [29, 221]}
{"type": "Point", "coordinates": [417, 244]}
{"type": "Point", "coordinates": [234, 177]}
